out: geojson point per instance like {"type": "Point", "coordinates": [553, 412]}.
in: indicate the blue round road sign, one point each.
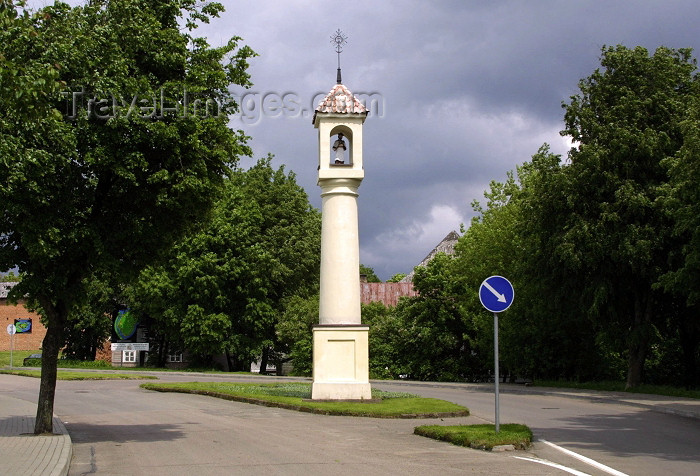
{"type": "Point", "coordinates": [496, 294]}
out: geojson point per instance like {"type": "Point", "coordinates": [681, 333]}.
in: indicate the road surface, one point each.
{"type": "Point", "coordinates": [120, 429]}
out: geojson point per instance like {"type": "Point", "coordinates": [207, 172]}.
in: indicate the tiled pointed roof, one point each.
{"type": "Point", "coordinates": [447, 246]}
{"type": "Point", "coordinates": [340, 101]}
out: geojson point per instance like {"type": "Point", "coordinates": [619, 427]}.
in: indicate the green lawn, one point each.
{"type": "Point", "coordinates": [67, 375]}
{"type": "Point", "coordinates": [17, 357]}
{"type": "Point", "coordinates": [482, 437]}
{"type": "Point", "coordinates": [294, 396]}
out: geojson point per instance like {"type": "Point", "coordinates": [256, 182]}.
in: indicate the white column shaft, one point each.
{"type": "Point", "coordinates": [340, 253]}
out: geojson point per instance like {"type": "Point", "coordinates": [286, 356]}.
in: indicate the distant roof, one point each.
{"type": "Point", "coordinates": [340, 101]}
{"type": "Point", "coordinates": [447, 246]}
{"type": "Point", "coordinates": [5, 288]}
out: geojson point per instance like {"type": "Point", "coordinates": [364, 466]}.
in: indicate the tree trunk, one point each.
{"type": "Point", "coordinates": [163, 345]}
{"type": "Point", "coordinates": [689, 332]}
{"type": "Point", "coordinates": [263, 360]}
{"type": "Point", "coordinates": [94, 344]}
{"type": "Point", "coordinates": [164, 351]}
{"type": "Point", "coordinates": [229, 364]}
{"type": "Point", "coordinates": [635, 366]}
{"type": "Point", "coordinates": [52, 344]}
{"type": "Point", "coordinates": [639, 338]}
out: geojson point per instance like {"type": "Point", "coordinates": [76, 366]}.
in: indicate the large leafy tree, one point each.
{"type": "Point", "coordinates": [489, 246]}
{"type": "Point", "coordinates": [223, 289]}
{"type": "Point", "coordinates": [682, 199]}
{"type": "Point", "coordinates": [601, 248]}
{"type": "Point", "coordinates": [492, 246]}
{"type": "Point", "coordinates": [536, 339]}
{"type": "Point", "coordinates": [553, 329]}
{"type": "Point", "coordinates": [107, 155]}
{"type": "Point", "coordinates": [589, 242]}
{"type": "Point", "coordinates": [614, 237]}
{"type": "Point", "coordinates": [434, 336]}
{"type": "Point", "coordinates": [295, 332]}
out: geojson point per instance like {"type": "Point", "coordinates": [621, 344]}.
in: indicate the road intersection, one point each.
{"type": "Point", "coordinates": [118, 428]}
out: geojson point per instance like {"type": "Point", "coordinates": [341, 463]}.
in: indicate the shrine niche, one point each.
{"type": "Point", "coordinates": [341, 146]}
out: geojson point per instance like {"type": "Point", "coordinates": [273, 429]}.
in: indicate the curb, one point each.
{"type": "Point", "coordinates": [305, 409]}
{"type": "Point", "coordinates": [65, 449]}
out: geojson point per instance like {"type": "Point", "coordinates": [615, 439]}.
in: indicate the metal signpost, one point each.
{"type": "Point", "coordinates": [11, 329]}
{"type": "Point", "coordinates": [496, 295]}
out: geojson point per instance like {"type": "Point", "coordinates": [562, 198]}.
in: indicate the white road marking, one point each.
{"type": "Point", "coordinates": [589, 461]}
{"type": "Point", "coordinates": [553, 465]}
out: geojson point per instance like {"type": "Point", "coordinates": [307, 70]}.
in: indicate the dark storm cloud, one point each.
{"type": "Point", "coordinates": [470, 90]}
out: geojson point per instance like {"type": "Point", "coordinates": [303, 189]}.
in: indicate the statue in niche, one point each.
{"type": "Point", "coordinates": [339, 148]}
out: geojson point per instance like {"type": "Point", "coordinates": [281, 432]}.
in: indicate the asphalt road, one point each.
{"type": "Point", "coordinates": [631, 440]}
{"type": "Point", "coordinates": [120, 429]}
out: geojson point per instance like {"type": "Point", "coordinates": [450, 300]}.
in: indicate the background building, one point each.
{"type": "Point", "coordinates": [10, 313]}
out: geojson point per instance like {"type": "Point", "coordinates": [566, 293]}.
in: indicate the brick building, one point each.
{"type": "Point", "coordinates": [9, 314]}
{"type": "Point", "coordinates": [386, 293]}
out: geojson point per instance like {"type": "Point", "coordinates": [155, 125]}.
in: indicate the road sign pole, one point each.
{"type": "Point", "coordinates": [11, 329]}
{"type": "Point", "coordinates": [496, 295]}
{"type": "Point", "coordinates": [12, 347]}
{"type": "Point", "coordinates": [495, 366]}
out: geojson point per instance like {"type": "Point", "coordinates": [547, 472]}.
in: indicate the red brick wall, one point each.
{"type": "Point", "coordinates": [386, 293]}
{"type": "Point", "coordinates": [8, 314]}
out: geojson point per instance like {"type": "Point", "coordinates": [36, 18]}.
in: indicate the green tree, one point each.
{"type": "Point", "coordinates": [89, 325]}
{"type": "Point", "coordinates": [615, 239]}
{"type": "Point", "coordinates": [434, 339]}
{"type": "Point", "coordinates": [99, 180]}
{"type": "Point", "coordinates": [396, 278]}
{"type": "Point", "coordinates": [291, 234]}
{"type": "Point", "coordinates": [384, 326]}
{"type": "Point", "coordinates": [370, 274]}
{"type": "Point", "coordinates": [29, 84]}
{"type": "Point", "coordinates": [553, 328]}
{"type": "Point", "coordinates": [222, 289]}
{"type": "Point", "coordinates": [10, 277]}
{"type": "Point", "coordinates": [682, 198]}
{"type": "Point", "coordinates": [491, 246]}
{"type": "Point", "coordinates": [295, 332]}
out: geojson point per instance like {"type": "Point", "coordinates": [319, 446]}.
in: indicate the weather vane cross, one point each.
{"type": "Point", "coordinates": [339, 40]}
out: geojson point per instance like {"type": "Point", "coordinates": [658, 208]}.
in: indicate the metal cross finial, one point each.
{"type": "Point", "coordinates": [339, 39]}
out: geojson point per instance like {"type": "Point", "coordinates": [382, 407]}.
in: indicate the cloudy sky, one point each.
{"type": "Point", "coordinates": [466, 90]}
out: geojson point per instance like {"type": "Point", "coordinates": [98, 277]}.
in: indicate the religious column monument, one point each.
{"type": "Point", "coordinates": [341, 357]}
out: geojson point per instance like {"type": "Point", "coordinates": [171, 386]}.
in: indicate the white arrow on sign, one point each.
{"type": "Point", "coordinates": [499, 296]}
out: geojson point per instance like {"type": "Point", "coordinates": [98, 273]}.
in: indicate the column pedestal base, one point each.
{"type": "Point", "coordinates": [341, 363]}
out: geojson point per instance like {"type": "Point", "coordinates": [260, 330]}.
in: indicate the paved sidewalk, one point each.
{"type": "Point", "coordinates": [24, 454]}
